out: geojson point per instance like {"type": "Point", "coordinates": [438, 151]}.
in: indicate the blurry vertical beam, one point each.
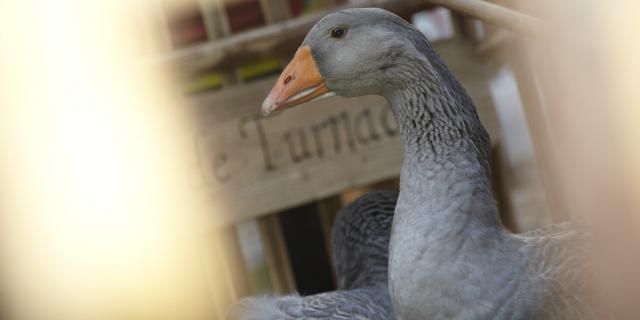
{"type": "Point", "coordinates": [276, 11]}
{"type": "Point", "coordinates": [535, 108]}
{"type": "Point", "coordinates": [218, 285]}
{"type": "Point", "coordinates": [500, 180]}
{"type": "Point", "coordinates": [226, 251]}
{"type": "Point", "coordinates": [154, 25]}
{"type": "Point", "coordinates": [619, 176]}
{"type": "Point", "coordinates": [465, 26]}
{"type": "Point", "coordinates": [276, 254]}
{"type": "Point", "coordinates": [226, 271]}
{"type": "Point", "coordinates": [591, 83]}
{"type": "Point", "coordinates": [234, 260]}
{"type": "Point", "coordinates": [537, 105]}
{"type": "Point", "coordinates": [217, 24]}
{"type": "Point", "coordinates": [215, 19]}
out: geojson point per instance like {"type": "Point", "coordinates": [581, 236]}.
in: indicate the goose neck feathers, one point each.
{"type": "Point", "coordinates": [436, 117]}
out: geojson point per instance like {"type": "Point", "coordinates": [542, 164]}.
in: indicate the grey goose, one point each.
{"type": "Point", "coordinates": [449, 255]}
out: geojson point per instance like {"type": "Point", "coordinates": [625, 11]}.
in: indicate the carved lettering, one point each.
{"type": "Point", "coordinates": [264, 143]}
{"type": "Point", "coordinates": [338, 124]}
{"type": "Point", "coordinates": [340, 132]}
{"type": "Point", "coordinates": [297, 138]}
{"type": "Point", "coordinates": [317, 138]}
{"type": "Point", "coordinates": [346, 120]}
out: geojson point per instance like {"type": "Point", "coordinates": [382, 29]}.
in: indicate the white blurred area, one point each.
{"type": "Point", "coordinates": [587, 68]}
{"type": "Point", "coordinates": [436, 24]}
{"type": "Point", "coordinates": [96, 216]}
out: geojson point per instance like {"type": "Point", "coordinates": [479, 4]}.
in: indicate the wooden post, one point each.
{"type": "Point", "coordinates": [327, 210]}
{"type": "Point", "coordinates": [217, 24]}
{"type": "Point", "coordinates": [234, 260]}
{"type": "Point", "coordinates": [219, 274]}
{"type": "Point", "coordinates": [275, 251]}
{"type": "Point", "coordinates": [500, 182]}
{"type": "Point", "coordinates": [215, 19]}
{"type": "Point", "coordinates": [535, 106]}
{"type": "Point", "coordinates": [272, 40]}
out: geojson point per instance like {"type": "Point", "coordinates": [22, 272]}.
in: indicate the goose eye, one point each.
{"type": "Point", "coordinates": [338, 32]}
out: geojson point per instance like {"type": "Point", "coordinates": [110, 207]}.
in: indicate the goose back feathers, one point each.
{"type": "Point", "coordinates": [360, 240]}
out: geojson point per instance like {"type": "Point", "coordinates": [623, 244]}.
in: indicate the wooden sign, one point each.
{"type": "Point", "coordinates": [250, 165]}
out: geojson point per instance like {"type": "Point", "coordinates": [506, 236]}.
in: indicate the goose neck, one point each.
{"type": "Point", "coordinates": [446, 147]}
{"type": "Point", "coordinates": [435, 116]}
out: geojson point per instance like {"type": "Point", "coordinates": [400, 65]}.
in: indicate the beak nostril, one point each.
{"type": "Point", "coordinates": [288, 79]}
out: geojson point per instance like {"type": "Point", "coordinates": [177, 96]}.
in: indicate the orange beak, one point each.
{"type": "Point", "coordinates": [300, 82]}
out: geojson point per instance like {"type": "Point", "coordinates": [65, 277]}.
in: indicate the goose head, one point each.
{"type": "Point", "coordinates": [349, 53]}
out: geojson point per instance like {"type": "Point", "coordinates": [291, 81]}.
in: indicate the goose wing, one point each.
{"type": "Point", "coordinates": [371, 303]}
{"type": "Point", "coordinates": [360, 239]}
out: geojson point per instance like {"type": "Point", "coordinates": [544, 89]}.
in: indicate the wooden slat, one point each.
{"type": "Point", "coordinates": [235, 261]}
{"type": "Point", "coordinates": [218, 274]}
{"type": "Point", "coordinates": [255, 166]}
{"type": "Point", "coordinates": [494, 41]}
{"type": "Point", "coordinates": [276, 254]}
{"type": "Point", "coordinates": [500, 181]}
{"type": "Point", "coordinates": [327, 210]}
{"type": "Point", "coordinates": [215, 19]}
{"type": "Point", "coordinates": [497, 15]}
{"type": "Point", "coordinates": [217, 24]}
{"type": "Point", "coordinates": [223, 260]}
{"type": "Point", "coordinates": [535, 106]}
{"type": "Point", "coordinates": [275, 40]}
{"type": "Point", "coordinates": [281, 39]}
